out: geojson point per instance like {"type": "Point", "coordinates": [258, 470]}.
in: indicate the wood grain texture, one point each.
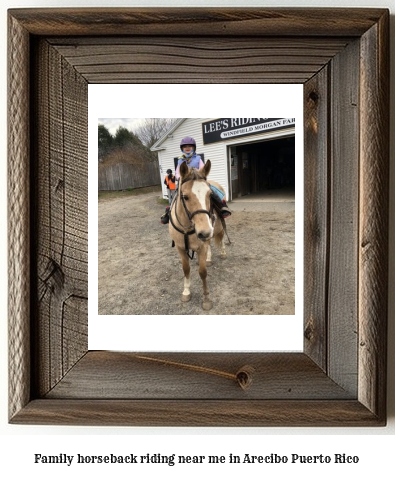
{"type": "Point", "coordinates": [19, 217]}
{"type": "Point", "coordinates": [316, 214]}
{"type": "Point", "coordinates": [373, 233]}
{"type": "Point", "coordinates": [202, 413]}
{"type": "Point", "coordinates": [341, 56]}
{"type": "Point", "coordinates": [197, 59]}
{"type": "Point", "coordinates": [60, 197]}
{"type": "Point", "coordinates": [261, 22]}
{"type": "Point", "coordinates": [343, 220]}
{"type": "Point", "coordinates": [185, 376]}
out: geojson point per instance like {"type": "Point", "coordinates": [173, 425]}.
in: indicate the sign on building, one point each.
{"type": "Point", "coordinates": [223, 129]}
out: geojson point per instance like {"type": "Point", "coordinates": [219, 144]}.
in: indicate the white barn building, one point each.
{"type": "Point", "coordinates": [248, 155]}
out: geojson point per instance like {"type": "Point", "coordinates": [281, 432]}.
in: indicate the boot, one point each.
{"type": "Point", "coordinates": [225, 211]}
{"type": "Point", "coordinates": [220, 206]}
{"type": "Point", "coordinates": [165, 217]}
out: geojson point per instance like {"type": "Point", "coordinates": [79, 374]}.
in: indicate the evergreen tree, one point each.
{"type": "Point", "coordinates": [124, 146]}
{"type": "Point", "coordinates": [123, 137]}
{"type": "Point", "coordinates": [106, 142]}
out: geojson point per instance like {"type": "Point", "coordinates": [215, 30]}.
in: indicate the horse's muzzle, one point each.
{"type": "Point", "coordinates": [204, 236]}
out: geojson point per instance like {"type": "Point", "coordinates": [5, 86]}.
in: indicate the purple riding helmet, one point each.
{"type": "Point", "coordinates": [187, 140]}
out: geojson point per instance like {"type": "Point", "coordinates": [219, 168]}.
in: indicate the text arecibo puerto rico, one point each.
{"type": "Point", "coordinates": [173, 459]}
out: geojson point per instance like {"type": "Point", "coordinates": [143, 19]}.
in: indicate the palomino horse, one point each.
{"type": "Point", "coordinates": [193, 223]}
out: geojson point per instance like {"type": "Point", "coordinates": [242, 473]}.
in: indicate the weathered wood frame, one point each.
{"type": "Point", "coordinates": [342, 58]}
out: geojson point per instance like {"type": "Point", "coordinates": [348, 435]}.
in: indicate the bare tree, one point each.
{"type": "Point", "coordinates": [153, 129]}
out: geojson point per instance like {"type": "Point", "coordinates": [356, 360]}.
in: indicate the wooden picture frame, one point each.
{"type": "Point", "coordinates": [342, 58]}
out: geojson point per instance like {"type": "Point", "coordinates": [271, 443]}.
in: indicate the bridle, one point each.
{"type": "Point", "coordinates": [189, 229]}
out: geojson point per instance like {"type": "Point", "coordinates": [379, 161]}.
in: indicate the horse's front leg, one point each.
{"type": "Point", "coordinates": [186, 294]}
{"type": "Point", "coordinates": [209, 261]}
{"type": "Point", "coordinates": [207, 304]}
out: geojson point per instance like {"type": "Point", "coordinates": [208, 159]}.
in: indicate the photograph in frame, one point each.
{"type": "Point", "coordinates": [132, 235]}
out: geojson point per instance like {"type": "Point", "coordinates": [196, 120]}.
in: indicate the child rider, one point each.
{"type": "Point", "coordinates": [193, 160]}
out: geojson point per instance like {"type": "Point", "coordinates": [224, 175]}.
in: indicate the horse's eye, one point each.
{"type": "Point", "coordinates": [185, 197]}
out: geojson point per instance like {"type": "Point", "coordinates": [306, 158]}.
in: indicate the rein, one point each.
{"type": "Point", "coordinates": [188, 230]}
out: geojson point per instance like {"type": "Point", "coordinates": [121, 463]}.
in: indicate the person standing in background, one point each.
{"type": "Point", "coordinates": [170, 181]}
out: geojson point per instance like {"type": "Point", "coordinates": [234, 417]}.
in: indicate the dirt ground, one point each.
{"type": "Point", "coordinates": [140, 273]}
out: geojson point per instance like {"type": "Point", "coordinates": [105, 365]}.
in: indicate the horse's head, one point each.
{"type": "Point", "coordinates": [195, 192]}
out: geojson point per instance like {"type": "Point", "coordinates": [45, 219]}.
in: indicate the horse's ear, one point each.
{"type": "Point", "coordinates": [206, 168]}
{"type": "Point", "coordinates": [184, 170]}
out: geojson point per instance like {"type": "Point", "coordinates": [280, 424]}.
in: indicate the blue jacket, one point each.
{"type": "Point", "coordinates": [195, 162]}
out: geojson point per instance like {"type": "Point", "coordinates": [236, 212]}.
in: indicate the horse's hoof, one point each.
{"type": "Point", "coordinates": [209, 263]}
{"type": "Point", "coordinates": [185, 298]}
{"type": "Point", "coordinates": [223, 256]}
{"type": "Point", "coordinates": [207, 305]}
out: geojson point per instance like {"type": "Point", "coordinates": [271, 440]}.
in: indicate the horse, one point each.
{"type": "Point", "coordinates": [193, 223]}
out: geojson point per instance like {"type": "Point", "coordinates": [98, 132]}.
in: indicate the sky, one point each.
{"type": "Point", "coordinates": [112, 124]}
